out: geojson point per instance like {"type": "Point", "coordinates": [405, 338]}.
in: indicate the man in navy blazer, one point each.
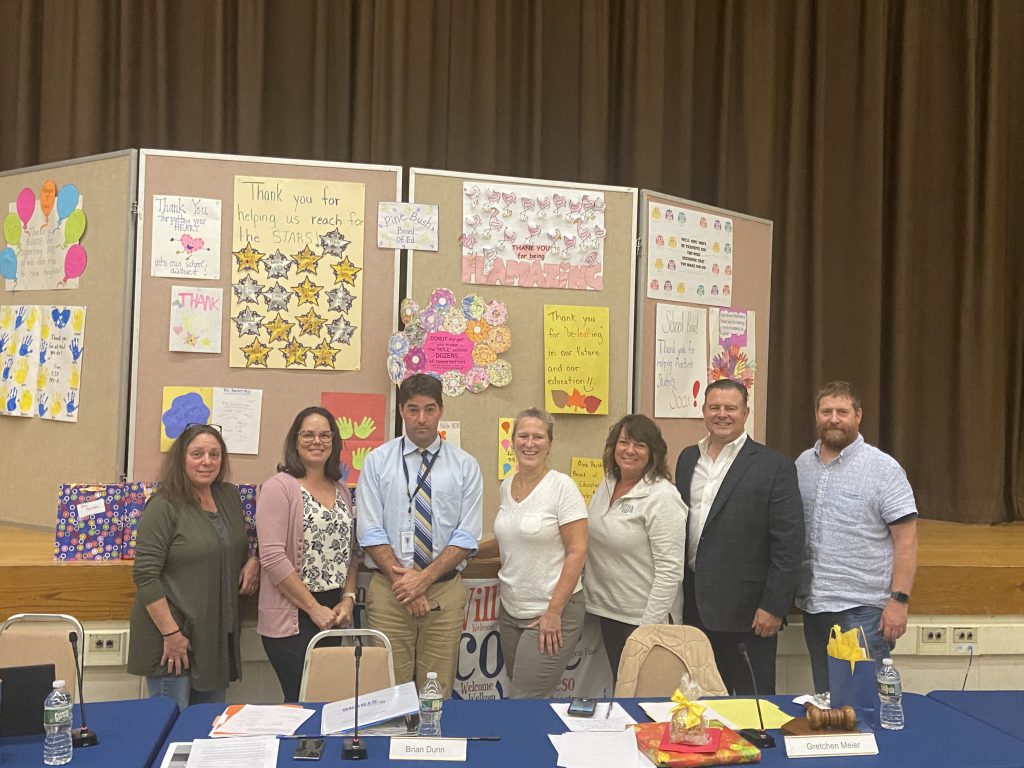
{"type": "Point", "coordinates": [745, 539]}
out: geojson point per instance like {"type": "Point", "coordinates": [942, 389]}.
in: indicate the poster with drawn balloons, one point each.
{"type": "Point", "coordinates": [532, 237]}
{"type": "Point", "coordinates": [43, 232]}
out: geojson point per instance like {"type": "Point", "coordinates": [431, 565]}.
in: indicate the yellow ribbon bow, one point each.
{"type": "Point", "coordinates": [694, 710]}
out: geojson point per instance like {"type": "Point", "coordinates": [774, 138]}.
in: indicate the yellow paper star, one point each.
{"type": "Point", "coordinates": [310, 323]}
{"type": "Point", "coordinates": [279, 329]}
{"type": "Point", "coordinates": [306, 261]}
{"type": "Point", "coordinates": [255, 353]}
{"type": "Point", "coordinates": [294, 353]}
{"type": "Point", "coordinates": [307, 292]}
{"type": "Point", "coordinates": [345, 271]}
{"type": "Point", "coordinates": [323, 355]}
{"type": "Point", "coordinates": [248, 258]}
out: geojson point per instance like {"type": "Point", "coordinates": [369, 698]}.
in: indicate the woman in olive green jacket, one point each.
{"type": "Point", "coordinates": [191, 561]}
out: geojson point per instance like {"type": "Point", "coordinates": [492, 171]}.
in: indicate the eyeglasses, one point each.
{"type": "Point", "coordinates": [311, 437]}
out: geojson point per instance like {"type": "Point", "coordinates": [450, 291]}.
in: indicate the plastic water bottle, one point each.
{"type": "Point", "coordinates": [890, 697]}
{"type": "Point", "coordinates": [431, 701]}
{"type": "Point", "coordinates": [57, 721]}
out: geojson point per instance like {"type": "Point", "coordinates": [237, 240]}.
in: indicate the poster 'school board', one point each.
{"type": "Point", "coordinates": [84, 439]}
{"type": "Point", "coordinates": [291, 246]}
{"type": "Point", "coordinates": [729, 268]}
{"type": "Point", "coordinates": [530, 244]}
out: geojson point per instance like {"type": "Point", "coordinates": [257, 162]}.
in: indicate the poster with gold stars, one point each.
{"type": "Point", "coordinates": [296, 274]}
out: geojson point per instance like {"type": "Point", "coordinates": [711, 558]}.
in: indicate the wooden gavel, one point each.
{"type": "Point", "coordinates": [821, 719]}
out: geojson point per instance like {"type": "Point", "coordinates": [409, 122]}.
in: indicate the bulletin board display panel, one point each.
{"type": "Point", "coordinates": [750, 240]}
{"type": "Point", "coordinates": [40, 454]}
{"type": "Point", "coordinates": [167, 178]}
{"type": "Point", "coordinates": [579, 434]}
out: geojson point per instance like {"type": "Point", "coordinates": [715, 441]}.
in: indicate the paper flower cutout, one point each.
{"type": "Point", "coordinates": [455, 322]}
{"type": "Point", "coordinates": [476, 380]}
{"type": "Point", "coordinates": [442, 300]}
{"type": "Point", "coordinates": [484, 355]}
{"type": "Point", "coordinates": [500, 339]}
{"type": "Point", "coordinates": [496, 313]}
{"type": "Point", "coordinates": [431, 319]}
{"type": "Point", "coordinates": [398, 344]}
{"type": "Point", "coordinates": [453, 383]}
{"type": "Point", "coordinates": [473, 307]}
{"type": "Point", "coordinates": [478, 330]}
{"type": "Point", "coordinates": [415, 360]}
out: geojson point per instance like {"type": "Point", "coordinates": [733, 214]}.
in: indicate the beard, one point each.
{"type": "Point", "coordinates": [837, 438]}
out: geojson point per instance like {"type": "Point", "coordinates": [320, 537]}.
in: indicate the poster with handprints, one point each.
{"type": "Point", "coordinates": [532, 237]}
{"type": "Point", "coordinates": [186, 237]}
{"type": "Point", "coordinates": [195, 324]}
{"type": "Point", "coordinates": [19, 351]}
{"type": "Point", "coordinates": [296, 274]}
{"type": "Point", "coordinates": [576, 357]}
{"type": "Point", "coordinates": [360, 418]}
{"type": "Point", "coordinates": [507, 463]}
{"type": "Point", "coordinates": [42, 239]}
{"type": "Point", "coordinates": [731, 333]}
{"type": "Point", "coordinates": [680, 361]}
{"type": "Point", "coordinates": [61, 348]}
{"type": "Point", "coordinates": [689, 255]}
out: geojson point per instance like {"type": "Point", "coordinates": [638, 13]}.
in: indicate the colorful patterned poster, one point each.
{"type": "Point", "coordinates": [296, 274]}
{"type": "Point", "coordinates": [195, 324]}
{"type": "Point", "coordinates": [407, 225]}
{"type": "Point", "coordinates": [680, 361]}
{"type": "Point", "coordinates": [733, 350]}
{"type": "Point", "coordinates": [532, 237]}
{"type": "Point", "coordinates": [456, 341]}
{"type": "Point", "coordinates": [42, 239]}
{"type": "Point", "coordinates": [41, 350]}
{"type": "Point", "coordinates": [689, 255]}
{"type": "Point", "coordinates": [507, 463]}
{"type": "Point", "coordinates": [361, 421]}
{"type": "Point", "coordinates": [186, 237]}
{"type": "Point", "coordinates": [587, 474]}
{"type": "Point", "coordinates": [576, 359]}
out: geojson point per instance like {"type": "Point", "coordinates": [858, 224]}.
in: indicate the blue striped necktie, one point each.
{"type": "Point", "coordinates": [423, 551]}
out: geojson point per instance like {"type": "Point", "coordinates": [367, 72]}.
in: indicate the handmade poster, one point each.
{"type": "Point", "coordinates": [238, 411]}
{"type": "Point", "coordinates": [196, 314]}
{"type": "Point", "coordinates": [42, 239]}
{"type": "Point", "coordinates": [183, 406]}
{"type": "Point", "coordinates": [587, 474]}
{"type": "Point", "coordinates": [507, 463]}
{"type": "Point", "coordinates": [450, 431]}
{"type": "Point", "coordinates": [689, 255]}
{"type": "Point", "coordinates": [731, 333]}
{"type": "Point", "coordinates": [61, 347]}
{"type": "Point", "coordinates": [532, 237]}
{"type": "Point", "coordinates": [455, 341]}
{"type": "Point", "coordinates": [20, 338]}
{"type": "Point", "coordinates": [680, 361]}
{"type": "Point", "coordinates": [407, 225]}
{"type": "Point", "coordinates": [576, 359]}
{"type": "Point", "coordinates": [296, 274]}
{"type": "Point", "coordinates": [481, 668]}
{"type": "Point", "coordinates": [186, 237]}
{"type": "Point", "coordinates": [361, 420]}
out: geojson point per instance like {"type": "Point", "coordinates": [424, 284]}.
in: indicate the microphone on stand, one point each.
{"type": "Point", "coordinates": [759, 738]}
{"type": "Point", "coordinates": [80, 737]}
{"type": "Point", "coordinates": [354, 749]}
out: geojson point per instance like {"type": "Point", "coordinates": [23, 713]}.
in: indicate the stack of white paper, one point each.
{"type": "Point", "coordinates": [597, 749]}
{"type": "Point", "coordinates": [259, 720]}
{"type": "Point", "coordinates": [258, 752]}
{"type": "Point", "coordinates": [608, 717]}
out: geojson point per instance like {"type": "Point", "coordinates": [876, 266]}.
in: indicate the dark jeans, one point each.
{"type": "Point", "coordinates": [817, 627]}
{"type": "Point", "coordinates": [287, 654]}
{"type": "Point", "coordinates": [614, 634]}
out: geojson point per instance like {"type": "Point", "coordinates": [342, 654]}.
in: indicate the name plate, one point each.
{"type": "Point", "coordinates": [452, 750]}
{"type": "Point", "coordinates": [831, 745]}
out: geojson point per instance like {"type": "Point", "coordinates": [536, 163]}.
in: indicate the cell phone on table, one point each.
{"type": "Point", "coordinates": [582, 707]}
{"type": "Point", "coordinates": [309, 749]}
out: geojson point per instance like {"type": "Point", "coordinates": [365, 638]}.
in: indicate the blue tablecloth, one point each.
{"type": "Point", "coordinates": [936, 735]}
{"type": "Point", "coordinates": [1001, 709]}
{"type": "Point", "coordinates": [131, 733]}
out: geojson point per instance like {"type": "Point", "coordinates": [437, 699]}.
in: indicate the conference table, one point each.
{"type": "Point", "coordinates": [130, 734]}
{"type": "Point", "coordinates": [935, 735]}
{"type": "Point", "coordinates": [1001, 709]}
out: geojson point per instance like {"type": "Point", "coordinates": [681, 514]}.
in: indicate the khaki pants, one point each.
{"type": "Point", "coordinates": [420, 645]}
{"type": "Point", "coordinates": [535, 675]}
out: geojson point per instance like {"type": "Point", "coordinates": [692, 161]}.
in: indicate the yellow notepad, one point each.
{"type": "Point", "coordinates": [742, 713]}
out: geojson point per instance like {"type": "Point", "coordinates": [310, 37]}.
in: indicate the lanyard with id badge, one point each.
{"type": "Point", "coordinates": [408, 545]}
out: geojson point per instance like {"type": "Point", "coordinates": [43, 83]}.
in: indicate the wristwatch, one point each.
{"type": "Point", "coordinates": [900, 597]}
{"type": "Point", "coordinates": [349, 594]}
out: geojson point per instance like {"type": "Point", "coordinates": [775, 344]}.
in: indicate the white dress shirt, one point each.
{"type": "Point", "coordinates": [708, 475]}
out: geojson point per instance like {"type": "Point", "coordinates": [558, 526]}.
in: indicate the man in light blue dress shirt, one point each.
{"type": "Point", "coordinates": [420, 516]}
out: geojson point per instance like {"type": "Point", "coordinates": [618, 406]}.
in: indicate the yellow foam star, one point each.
{"type": "Point", "coordinates": [279, 329]}
{"type": "Point", "coordinates": [323, 355]}
{"type": "Point", "coordinates": [294, 353]}
{"type": "Point", "coordinates": [345, 271]}
{"type": "Point", "coordinates": [248, 258]}
{"type": "Point", "coordinates": [255, 353]}
{"type": "Point", "coordinates": [306, 261]}
{"type": "Point", "coordinates": [310, 323]}
{"type": "Point", "coordinates": [307, 292]}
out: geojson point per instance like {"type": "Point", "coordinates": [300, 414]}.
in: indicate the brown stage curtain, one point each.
{"type": "Point", "coordinates": [883, 138]}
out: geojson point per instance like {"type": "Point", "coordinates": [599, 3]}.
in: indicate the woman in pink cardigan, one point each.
{"type": "Point", "coordinates": [306, 524]}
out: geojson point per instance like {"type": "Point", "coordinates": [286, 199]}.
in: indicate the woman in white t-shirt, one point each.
{"type": "Point", "coordinates": [541, 536]}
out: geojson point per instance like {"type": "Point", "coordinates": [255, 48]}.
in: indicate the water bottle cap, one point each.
{"type": "Point", "coordinates": [431, 675]}
{"type": "Point", "coordinates": [887, 662]}
{"type": "Point", "coordinates": [58, 683]}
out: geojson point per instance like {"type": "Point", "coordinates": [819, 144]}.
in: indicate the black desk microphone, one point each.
{"type": "Point", "coordinates": [354, 749]}
{"type": "Point", "coordinates": [80, 737]}
{"type": "Point", "coordinates": [759, 738]}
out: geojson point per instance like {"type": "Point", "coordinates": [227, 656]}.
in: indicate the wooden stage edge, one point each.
{"type": "Point", "coordinates": [962, 569]}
